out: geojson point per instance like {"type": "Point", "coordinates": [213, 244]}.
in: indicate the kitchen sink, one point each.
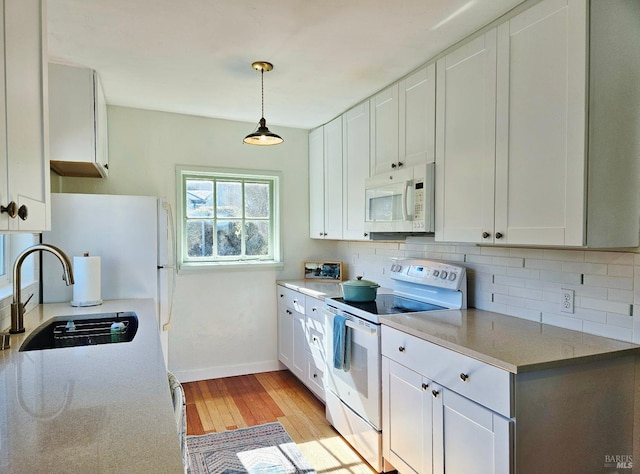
{"type": "Point", "coordinates": [83, 330]}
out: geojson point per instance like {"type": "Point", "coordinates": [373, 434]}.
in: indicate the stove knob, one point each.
{"type": "Point", "coordinates": [453, 276]}
{"type": "Point", "coordinates": [436, 273]}
{"type": "Point", "coordinates": [443, 275]}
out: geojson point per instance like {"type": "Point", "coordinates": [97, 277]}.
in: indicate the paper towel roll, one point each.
{"type": "Point", "coordinates": [86, 273]}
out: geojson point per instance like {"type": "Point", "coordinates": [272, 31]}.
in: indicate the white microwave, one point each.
{"type": "Point", "coordinates": [401, 201]}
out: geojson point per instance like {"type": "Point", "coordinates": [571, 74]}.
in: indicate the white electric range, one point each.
{"type": "Point", "coordinates": [353, 395]}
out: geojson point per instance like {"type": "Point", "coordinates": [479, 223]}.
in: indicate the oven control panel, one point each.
{"type": "Point", "coordinates": [428, 273]}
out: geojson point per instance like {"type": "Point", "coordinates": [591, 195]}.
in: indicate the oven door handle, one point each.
{"type": "Point", "coordinates": [368, 331]}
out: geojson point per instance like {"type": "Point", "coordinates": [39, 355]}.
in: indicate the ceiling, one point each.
{"type": "Point", "coordinates": [194, 56]}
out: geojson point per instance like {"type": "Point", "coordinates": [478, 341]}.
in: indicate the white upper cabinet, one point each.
{"type": "Point", "coordinates": [403, 122]}
{"type": "Point", "coordinates": [325, 181]}
{"type": "Point", "coordinates": [465, 141]}
{"type": "Point", "coordinates": [78, 122]}
{"type": "Point", "coordinates": [23, 105]}
{"type": "Point", "coordinates": [541, 117]}
{"type": "Point", "coordinates": [561, 170]}
{"type": "Point", "coordinates": [355, 124]}
{"type": "Point", "coordinates": [418, 117]}
{"type": "Point", "coordinates": [384, 130]}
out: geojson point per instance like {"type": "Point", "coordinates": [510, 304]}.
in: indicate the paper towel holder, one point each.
{"type": "Point", "coordinates": [80, 299]}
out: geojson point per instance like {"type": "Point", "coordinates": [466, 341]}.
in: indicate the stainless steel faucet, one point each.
{"type": "Point", "coordinates": [17, 307]}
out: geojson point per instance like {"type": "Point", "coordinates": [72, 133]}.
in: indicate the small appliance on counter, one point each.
{"type": "Point", "coordinates": [354, 390]}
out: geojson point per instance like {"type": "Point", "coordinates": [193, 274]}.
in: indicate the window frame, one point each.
{"type": "Point", "coordinates": [186, 263]}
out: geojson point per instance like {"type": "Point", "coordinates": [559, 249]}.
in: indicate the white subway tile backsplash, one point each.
{"type": "Point", "coordinates": [608, 331]}
{"type": "Point", "coordinates": [552, 265]}
{"type": "Point", "coordinates": [619, 258]}
{"type": "Point", "coordinates": [562, 321]}
{"type": "Point", "coordinates": [526, 282]}
{"type": "Point", "coordinates": [605, 305]}
{"type": "Point", "coordinates": [620, 271]}
{"type": "Point", "coordinates": [620, 321]}
{"type": "Point", "coordinates": [523, 313]}
{"type": "Point", "coordinates": [609, 282]}
{"type": "Point", "coordinates": [584, 267]}
{"type": "Point", "coordinates": [625, 296]}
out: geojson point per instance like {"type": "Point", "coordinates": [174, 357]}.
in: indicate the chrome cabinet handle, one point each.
{"type": "Point", "coordinates": [393, 165]}
{"type": "Point", "coordinates": [281, 295]}
{"type": "Point", "coordinates": [11, 209]}
{"type": "Point", "coordinates": [289, 312]}
{"type": "Point", "coordinates": [314, 309]}
{"type": "Point", "coordinates": [400, 163]}
{"type": "Point", "coordinates": [486, 235]}
{"type": "Point", "coordinates": [464, 377]}
{"type": "Point", "coordinates": [315, 376]}
{"type": "Point", "coordinates": [366, 234]}
{"type": "Point", "coordinates": [401, 348]}
{"type": "Point", "coordinates": [498, 235]}
{"type": "Point", "coordinates": [425, 386]}
{"type": "Point", "coordinates": [315, 339]}
{"type": "Point", "coordinates": [435, 393]}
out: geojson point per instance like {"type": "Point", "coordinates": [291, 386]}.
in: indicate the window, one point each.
{"type": "Point", "coordinates": [228, 217]}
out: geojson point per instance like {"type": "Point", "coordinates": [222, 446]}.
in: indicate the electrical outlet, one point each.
{"type": "Point", "coordinates": [566, 302]}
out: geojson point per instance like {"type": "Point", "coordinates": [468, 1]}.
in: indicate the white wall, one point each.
{"type": "Point", "coordinates": [224, 321]}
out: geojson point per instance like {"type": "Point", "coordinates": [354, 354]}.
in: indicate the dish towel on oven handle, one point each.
{"type": "Point", "coordinates": [341, 343]}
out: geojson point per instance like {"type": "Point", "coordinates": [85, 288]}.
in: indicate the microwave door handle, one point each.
{"type": "Point", "coordinates": [407, 216]}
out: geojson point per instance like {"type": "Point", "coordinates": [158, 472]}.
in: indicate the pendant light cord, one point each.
{"type": "Point", "coordinates": [262, 82]}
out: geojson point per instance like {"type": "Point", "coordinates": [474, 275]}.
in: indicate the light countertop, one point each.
{"type": "Point", "coordinates": [513, 344]}
{"type": "Point", "coordinates": [103, 408]}
{"type": "Point", "coordinates": [315, 289]}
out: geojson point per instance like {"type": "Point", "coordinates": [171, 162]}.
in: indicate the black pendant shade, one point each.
{"type": "Point", "coordinates": [262, 136]}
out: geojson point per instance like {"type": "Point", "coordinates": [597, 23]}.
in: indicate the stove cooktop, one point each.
{"type": "Point", "coordinates": [388, 304]}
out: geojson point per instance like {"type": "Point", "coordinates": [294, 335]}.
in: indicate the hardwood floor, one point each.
{"type": "Point", "coordinates": [249, 400]}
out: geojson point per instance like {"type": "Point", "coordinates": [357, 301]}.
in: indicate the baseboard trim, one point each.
{"type": "Point", "coordinates": [218, 372]}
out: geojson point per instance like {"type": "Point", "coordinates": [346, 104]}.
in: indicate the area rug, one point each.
{"type": "Point", "coordinates": [257, 449]}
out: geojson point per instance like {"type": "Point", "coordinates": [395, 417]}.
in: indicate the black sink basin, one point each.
{"type": "Point", "coordinates": [83, 330]}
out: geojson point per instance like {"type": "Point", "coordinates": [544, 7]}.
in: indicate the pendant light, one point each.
{"type": "Point", "coordinates": [262, 136]}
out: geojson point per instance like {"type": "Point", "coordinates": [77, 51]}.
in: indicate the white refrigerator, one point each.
{"type": "Point", "coordinates": [133, 237]}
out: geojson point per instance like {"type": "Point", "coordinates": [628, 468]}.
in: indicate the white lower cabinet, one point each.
{"type": "Point", "coordinates": [428, 428]}
{"type": "Point", "coordinates": [444, 411]}
{"type": "Point", "coordinates": [301, 338]}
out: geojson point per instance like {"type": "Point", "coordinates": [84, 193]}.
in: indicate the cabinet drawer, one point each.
{"type": "Point", "coordinates": [315, 317]}
{"type": "Point", "coordinates": [290, 298]}
{"type": "Point", "coordinates": [483, 383]}
{"type": "Point", "coordinates": [314, 378]}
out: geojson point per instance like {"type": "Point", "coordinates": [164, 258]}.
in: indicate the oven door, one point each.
{"type": "Point", "coordinates": [359, 387]}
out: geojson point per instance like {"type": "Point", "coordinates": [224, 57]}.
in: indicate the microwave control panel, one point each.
{"type": "Point", "coordinates": [419, 204]}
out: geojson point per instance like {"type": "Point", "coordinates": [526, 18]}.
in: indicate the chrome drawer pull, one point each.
{"type": "Point", "coordinates": [425, 386]}
{"type": "Point", "coordinates": [401, 349]}
{"type": "Point", "coordinates": [464, 377]}
{"type": "Point", "coordinates": [435, 393]}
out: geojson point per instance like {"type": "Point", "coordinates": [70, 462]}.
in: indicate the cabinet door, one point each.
{"type": "Point", "coordinates": [473, 438]}
{"type": "Point", "coordinates": [417, 104]}
{"type": "Point", "coordinates": [316, 183]}
{"type": "Point", "coordinates": [384, 130]}
{"type": "Point", "coordinates": [541, 123]}
{"type": "Point", "coordinates": [300, 346]}
{"type": "Point", "coordinates": [26, 105]}
{"type": "Point", "coordinates": [465, 143]}
{"type": "Point", "coordinates": [356, 169]}
{"type": "Point", "coordinates": [285, 334]}
{"type": "Point", "coordinates": [102, 129]}
{"type": "Point", "coordinates": [407, 410]}
{"type": "Point", "coordinates": [333, 179]}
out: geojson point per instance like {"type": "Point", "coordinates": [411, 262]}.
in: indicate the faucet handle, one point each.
{"type": "Point", "coordinates": [28, 299]}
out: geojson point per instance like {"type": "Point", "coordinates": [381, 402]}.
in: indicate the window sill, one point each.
{"type": "Point", "coordinates": [194, 267]}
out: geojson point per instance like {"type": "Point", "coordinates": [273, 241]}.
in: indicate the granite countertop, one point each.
{"type": "Point", "coordinates": [315, 289]}
{"type": "Point", "coordinates": [103, 408]}
{"type": "Point", "coordinates": [513, 344]}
